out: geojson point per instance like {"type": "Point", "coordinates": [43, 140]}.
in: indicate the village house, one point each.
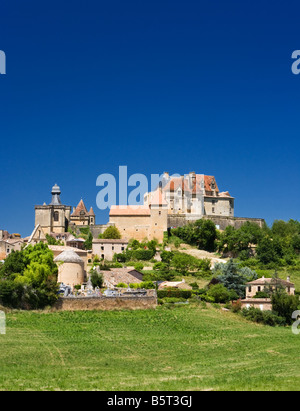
{"type": "Point", "coordinates": [265, 285]}
{"type": "Point", "coordinates": [106, 248]}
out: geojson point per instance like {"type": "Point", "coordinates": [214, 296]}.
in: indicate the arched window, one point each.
{"type": "Point", "coordinates": [56, 216]}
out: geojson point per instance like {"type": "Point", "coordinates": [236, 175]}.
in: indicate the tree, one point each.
{"type": "Point", "coordinates": [219, 293]}
{"type": "Point", "coordinates": [29, 278]}
{"type": "Point", "coordinates": [284, 304]}
{"type": "Point", "coordinates": [202, 233]}
{"type": "Point", "coordinates": [111, 233]}
{"type": "Point", "coordinates": [205, 234]}
{"type": "Point", "coordinates": [266, 251]}
{"type": "Point", "coordinates": [88, 244]}
{"type": "Point", "coordinates": [233, 277]}
{"type": "Point", "coordinates": [52, 241]}
{"type": "Point", "coordinates": [96, 279]}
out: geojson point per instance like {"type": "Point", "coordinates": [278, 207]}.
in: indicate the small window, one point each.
{"type": "Point", "coordinates": [213, 209]}
{"type": "Point", "coordinates": [112, 247]}
{"type": "Point", "coordinates": [159, 212]}
{"type": "Point", "coordinates": [258, 288]}
{"type": "Point", "coordinates": [56, 216]}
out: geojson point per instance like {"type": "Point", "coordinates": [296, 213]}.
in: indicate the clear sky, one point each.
{"type": "Point", "coordinates": [160, 85]}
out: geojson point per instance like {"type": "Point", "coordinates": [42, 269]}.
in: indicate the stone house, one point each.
{"type": "Point", "coordinates": [261, 285]}
{"type": "Point", "coordinates": [106, 248]}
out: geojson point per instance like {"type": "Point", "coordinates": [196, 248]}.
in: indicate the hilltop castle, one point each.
{"type": "Point", "coordinates": [176, 201]}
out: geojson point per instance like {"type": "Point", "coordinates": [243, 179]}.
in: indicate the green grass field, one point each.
{"type": "Point", "coordinates": [184, 348]}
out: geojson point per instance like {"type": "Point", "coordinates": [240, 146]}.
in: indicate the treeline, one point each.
{"type": "Point", "coordinates": [275, 246]}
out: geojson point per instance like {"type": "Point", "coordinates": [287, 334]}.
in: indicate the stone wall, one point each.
{"type": "Point", "coordinates": [222, 222]}
{"type": "Point", "coordinates": [105, 303]}
{"type": "Point", "coordinates": [95, 229]}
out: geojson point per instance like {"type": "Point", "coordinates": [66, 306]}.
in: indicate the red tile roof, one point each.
{"type": "Point", "coordinates": [81, 207]}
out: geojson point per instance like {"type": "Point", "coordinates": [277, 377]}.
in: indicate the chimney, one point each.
{"type": "Point", "coordinates": [192, 179]}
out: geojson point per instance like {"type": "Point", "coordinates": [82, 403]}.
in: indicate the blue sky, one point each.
{"type": "Point", "coordinates": [157, 86]}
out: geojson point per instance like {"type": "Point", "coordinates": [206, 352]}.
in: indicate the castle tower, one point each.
{"type": "Point", "coordinates": [55, 217]}
{"type": "Point", "coordinates": [81, 216]}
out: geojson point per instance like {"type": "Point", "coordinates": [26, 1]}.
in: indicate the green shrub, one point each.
{"type": "Point", "coordinates": [261, 294]}
{"type": "Point", "coordinates": [173, 300]}
{"type": "Point", "coordinates": [263, 317]}
{"type": "Point", "coordinates": [219, 293]}
{"type": "Point", "coordinates": [122, 285]}
{"type": "Point", "coordinates": [174, 293]}
{"type": "Point", "coordinates": [138, 266]}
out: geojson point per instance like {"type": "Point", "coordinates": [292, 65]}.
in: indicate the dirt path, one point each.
{"type": "Point", "coordinates": [201, 254]}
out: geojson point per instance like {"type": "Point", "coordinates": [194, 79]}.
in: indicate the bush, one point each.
{"type": "Point", "coordinates": [263, 317]}
{"type": "Point", "coordinates": [236, 306]}
{"type": "Point", "coordinates": [219, 293]}
{"type": "Point", "coordinates": [174, 293]}
{"type": "Point", "coordinates": [122, 285]}
{"type": "Point", "coordinates": [173, 300]}
{"type": "Point", "coordinates": [138, 266]}
{"type": "Point", "coordinates": [111, 233]}
{"type": "Point", "coordinates": [261, 294]}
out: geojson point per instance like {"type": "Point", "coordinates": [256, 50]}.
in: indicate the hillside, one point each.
{"type": "Point", "coordinates": [184, 348]}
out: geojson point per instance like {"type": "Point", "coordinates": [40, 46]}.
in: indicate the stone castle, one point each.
{"type": "Point", "coordinates": [175, 202]}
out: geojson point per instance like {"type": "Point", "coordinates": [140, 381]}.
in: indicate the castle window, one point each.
{"type": "Point", "coordinates": [213, 209]}
{"type": "Point", "coordinates": [56, 216]}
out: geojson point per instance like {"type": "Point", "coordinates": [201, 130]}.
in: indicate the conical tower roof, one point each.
{"type": "Point", "coordinates": [68, 256]}
{"type": "Point", "coordinates": [80, 207]}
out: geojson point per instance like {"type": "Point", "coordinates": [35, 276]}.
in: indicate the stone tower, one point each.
{"type": "Point", "coordinates": [55, 217]}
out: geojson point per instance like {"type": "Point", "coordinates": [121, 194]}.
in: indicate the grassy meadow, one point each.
{"type": "Point", "coordinates": [180, 348]}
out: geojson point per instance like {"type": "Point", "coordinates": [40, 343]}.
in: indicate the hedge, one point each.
{"type": "Point", "coordinates": [174, 293]}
